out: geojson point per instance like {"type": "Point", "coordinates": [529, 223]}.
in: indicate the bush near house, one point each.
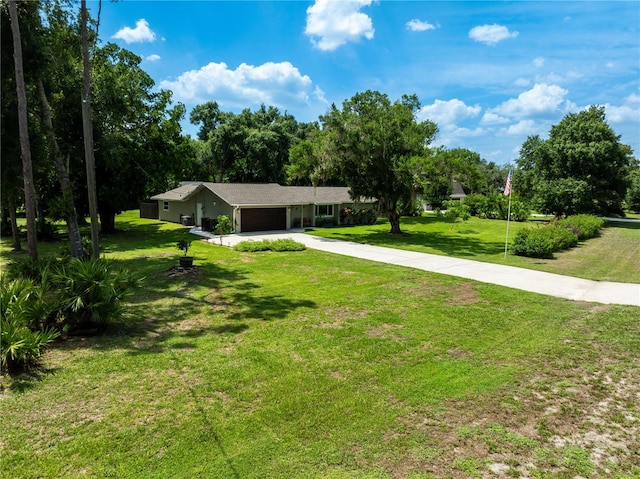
{"type": "Point", "coordinates": [361, 216]}
{"type": "Point", "coordinates": [278, 245]}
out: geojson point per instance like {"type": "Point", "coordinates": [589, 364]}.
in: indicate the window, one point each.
{"type": "Point", "coordinates": [324, 210]}
{"type": "Point", "coordinates": [165, 206]}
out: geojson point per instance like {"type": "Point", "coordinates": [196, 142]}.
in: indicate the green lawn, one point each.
{"type": "Point", "coordinates": [310, 365]}
{"type": "Point", "coordinates": [614, 256]}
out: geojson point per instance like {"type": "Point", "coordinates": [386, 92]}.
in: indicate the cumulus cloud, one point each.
{"type": "Point", "coordinates": [277, 84]}
{"type": "Point", "coordinates": [539, 100]}
{"type": "Point", "coordinates": [628, 111]}
{"type": "Point", "coordinates": [522, 128]}
{"type": "Point", "coordinates": [448, 112]}
{"type": "Point", "coordinates": [538, 62]}
{"type": "Point", "coordinates": [142, 33]}
{"type": "Point", "coordinates": [416, 25]}
{"type": "Point", "coordinates": [335, 23]}
{"type": "Point", "coordinates": [153, 58]}
{"type": "Point", "coordinates": [491, 34]}
{"type": "Point", "coordinates": [491, 118]}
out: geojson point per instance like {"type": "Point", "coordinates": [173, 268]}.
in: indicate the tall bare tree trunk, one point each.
{"type": "Point", "coordinates": [25, 147]}
{"type": "Point", "coordinates": [87, 128]}
{"type": "Point", "coordinates": [75, 240]}
{"type": "Point", "coordinates": [15, 232]}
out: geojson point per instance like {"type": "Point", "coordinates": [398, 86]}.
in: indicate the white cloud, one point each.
{"type": "Point", "coordinates": [447, 112]}
{"type": "Point", "coordinates": [522, 128]}
{"type": "Point", "coordinates": [628, 111]}
{"type": "Point", "coordinates": [538, 62]}
{"type": "Point", "coordinates": [491, 34]}
{"type": "Point", "coordinates": [416, 25]}
{"type": "Point", "coordinates": [338, 22]}
{"type": "Point", "coordinates": [522, 82]}
{"type": "Point", "coordinates": [142, 33]}
{"type": "Point", "coordinates": [490, 118]}
{"type": "Point", "coordinates": [276, 84]}
{"type": "Point", "coordinates": [539, 100]}
{"type": "Point", "coordinates": [153, 58]}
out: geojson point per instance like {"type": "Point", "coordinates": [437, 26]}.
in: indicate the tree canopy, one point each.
{"type": "Point", "coordinates": [581, 168]}
{"type": "Point", "coordinates": [374, 144]}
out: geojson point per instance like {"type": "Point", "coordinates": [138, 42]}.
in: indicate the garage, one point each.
{"type": "Point", "coordinates": [263, 219]}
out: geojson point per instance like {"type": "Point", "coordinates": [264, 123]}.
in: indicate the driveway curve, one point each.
{"type": "Point", "coordinates": [550, 284]}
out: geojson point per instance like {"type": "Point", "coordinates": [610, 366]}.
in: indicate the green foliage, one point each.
{"type": "Point", "coordinates": [360, 216]}
{"type": "Point", "coordinates": [375, 144]}
{"type": "Point", "coordinates": [583, 226]}
{"type": "Point", "coordinates": [542, 242]}
{"type": "Point", "coordinates": [581, 168]}
{"type": "Point", "coordinates": [534, 243]}
{"type": "Point", "coordinates": [224, 225]}
{"type": "Point", "coordinates": [23, 310]}
{"type": "Point", "coordinates": [633, 193]}
{"type": "Point", "coordinates": [496, 207]}
{"type": "Point", "coordinates": [91, 291]}
{"type": "Point", "coordinates": [457, 211]}
{"type": "Point", "coordinates": [279, 245]}
{"type": "Point", "coordinates": [183, 245]}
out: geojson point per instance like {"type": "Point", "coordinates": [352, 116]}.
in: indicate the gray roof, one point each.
{"type": "Point", "coordinates": [252, 194]}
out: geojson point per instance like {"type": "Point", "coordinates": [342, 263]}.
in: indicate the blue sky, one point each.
{"type": "Point", "coordinates": [488, 73]}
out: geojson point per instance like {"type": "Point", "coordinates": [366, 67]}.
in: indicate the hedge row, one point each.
{"type": "Point", "coordinates": [269, 245]}
{"type": "Point", "coordinates": [543, 241]}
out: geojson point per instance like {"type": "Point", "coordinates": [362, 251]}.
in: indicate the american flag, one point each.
{"type": "Point", "coordinates": [507, 187]}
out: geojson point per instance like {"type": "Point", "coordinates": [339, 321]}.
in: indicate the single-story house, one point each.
{"type": "Point", "coordinates": [255, 206]}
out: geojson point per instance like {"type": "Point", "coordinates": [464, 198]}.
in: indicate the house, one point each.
{"type": "Point", "coordinates": [255, 206]}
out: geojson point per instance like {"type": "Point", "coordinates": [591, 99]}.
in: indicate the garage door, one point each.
{"type": "Point", "coordinates": [263, 219]}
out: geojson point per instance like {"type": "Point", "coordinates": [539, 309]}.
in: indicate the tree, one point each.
{"type": "Point", "coordinates": [87, 128]}
{"type": "Point", "coordinates": [581, 168]}
{"type": "Point", "coordinates": [374, 143]}
{"type": "Point", "coordinates": [25, 147]}
{"type": "Point", "coordinates": [633, 193]}
{"type": "Point", "coordinates": [139, 146]}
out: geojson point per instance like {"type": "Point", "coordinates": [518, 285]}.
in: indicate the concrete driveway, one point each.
{"type": "Point", "coordinates": [519, 278]}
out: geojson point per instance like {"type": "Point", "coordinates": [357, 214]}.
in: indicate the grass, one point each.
{"type": "Point", "coordinates": [309, 365]}
{"type": "Point", "coordinates": [613, 256]}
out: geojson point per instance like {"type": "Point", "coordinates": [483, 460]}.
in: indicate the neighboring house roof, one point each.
{"type": "Point", "coordinates": [252, 194]}
{"type": "Point", "coordinates": [457, 192]}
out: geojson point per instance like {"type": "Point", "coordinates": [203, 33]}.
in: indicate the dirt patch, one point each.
{"type": "Point", "coordinates": [181, 272]}
{"type": "Point", "coordinates": [463, 294]}
{"type": "Point", "coordinates": [561, 423]}
{"type": "Point", "coordinates": [386, 331]}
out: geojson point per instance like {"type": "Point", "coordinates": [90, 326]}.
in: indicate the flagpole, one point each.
{"type": "Point", "coordinates": [508, 190]}
{"type": "Point", "coordinates": [506, 241]}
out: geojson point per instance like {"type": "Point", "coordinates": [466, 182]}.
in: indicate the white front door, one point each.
{"type": "Point", "coordinates": [198, 214]}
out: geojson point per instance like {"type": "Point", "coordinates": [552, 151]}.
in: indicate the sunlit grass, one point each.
{"type": "Point", "coordinates": [614, 256]}
{"type": "Point", "coordinates": [311, 365]}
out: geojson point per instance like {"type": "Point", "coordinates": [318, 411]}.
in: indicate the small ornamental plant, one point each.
{"type": "Point", "coordinates": [184, 245]}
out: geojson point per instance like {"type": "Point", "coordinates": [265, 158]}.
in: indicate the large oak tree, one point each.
{"type": "Point", "coordinates": [581, 168]}
{"type": "Point", "coordinates": [374, 144]}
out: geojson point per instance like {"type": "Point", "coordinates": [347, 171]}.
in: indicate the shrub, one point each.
{"type": "Point", "coordinates": [91, 292]}
{"type": "Point", "coordinates": [476, 203]}
{"type": "Point", "coordinates": [532, 243]}
{"type": "Point", "coordinates": [278, 245]}
{"type": "Point", "coordinates": [543, 241]}
{"type": "Point", "coordinates": [584, 226]}
{"type": "Point", "coordinates": [561, 238]}
{"type": "Point", "coordinates": [23, 309]}
{"type": "Point", "coordinates": [456, 211]}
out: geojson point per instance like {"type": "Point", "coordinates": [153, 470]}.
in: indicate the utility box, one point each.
{"type": "Point", "coordinates": [187, 220]}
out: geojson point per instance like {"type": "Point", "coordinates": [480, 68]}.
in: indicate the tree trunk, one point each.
{"type": "Point", "coordinates": [87, 128]}
{"type": "Point", "coordinates": [107, 221]}
{"type": "Point", "coordinates": [25, 147]}
{"type": "Point", "coordinates": [15, 232]}
{"type": "Point", "coordinates": [394, 219]}
{"type": "Point", "coordinates": [75, 240]}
